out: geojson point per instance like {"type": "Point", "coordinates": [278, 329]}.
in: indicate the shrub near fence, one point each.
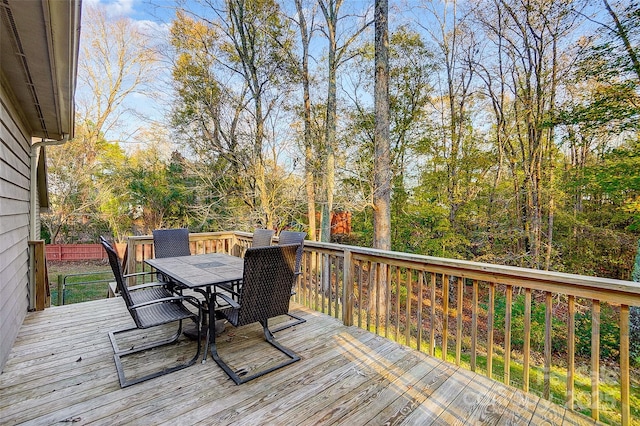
{"type": "Point", "coordinates": [75, 252]}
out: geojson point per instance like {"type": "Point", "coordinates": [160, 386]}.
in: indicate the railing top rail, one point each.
{"type": "Point", "coordinates": [581, 285]}
{"type": "Point", "coordinates": [194, 235]}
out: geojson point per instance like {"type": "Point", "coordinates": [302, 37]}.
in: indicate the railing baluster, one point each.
{"type": "Point", "coordinates": [507, 334]}
{"type": "Point", "coordinates": [547, 345]}
{"type": "Point", "coordinates": [474, 324]}
{"type": "Point", "coordinates": [397, 335]}
{"type": "Point", "coordinates": [336, 293]}
{"type": "Point", "coordinates": [527, 340]}
{"type": "Point", "coordinates": [595, 360]}
{"type": "Point", "coordinates": [624, 365]}
{"type": "Point", "coordinates": [432, 335]}
{"type": "Point", "coordinates": [328, 283]}
{"type": "Point", "coordinates": [445, 315]}
{"type": "Point", "coordinates": [407, 331]}
{"type": "Point", "coordinates": [459, 297]}
{"type": "Point", "coordinates": [347, 289]}
{"type": "Point", "coordinates": [377, 282]}
{"type": "Point", "coordinates": [387, 302]}
{"type": "Point", "coordinates": [571, 349]}
{"type": "Point", "coordinates": [372, 283]}
{"type": "Point", "coordinates": [419, 313]}
{"type": "Point", "coordinates": [490, 320]}
{"type": "Point", "coordinates": [360, 277]}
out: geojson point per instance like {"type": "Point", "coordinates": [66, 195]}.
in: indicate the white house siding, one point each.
{"type": "Point", "coordinates": [14, 223]}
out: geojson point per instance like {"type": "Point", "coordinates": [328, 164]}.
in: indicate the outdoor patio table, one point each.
{"type": "Point", "coordinates": [201, 273]}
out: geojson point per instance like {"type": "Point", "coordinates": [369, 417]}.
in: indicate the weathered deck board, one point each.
{"type": "Point", "coordinates": [61, 369]}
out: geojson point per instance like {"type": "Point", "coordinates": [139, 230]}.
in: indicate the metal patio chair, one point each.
{"type": "Point", "coordinates": [140, 293]}
{"type": "Point", "coordinates": [147, 312]}
{"type": "Point", "coordinates": [171, 242]}
{"type": "Point", "coordinates": [291, 237]}
{"type": "Point", "coordinates": [269, 274]}
{"type": "Point", "coordinates": [262, 237]}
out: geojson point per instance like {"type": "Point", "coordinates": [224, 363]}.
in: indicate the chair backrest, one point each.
{"type": "Point", "coordinates": [171, 242]}
{"type": "Point", "coordinates": [262, 237]}
{"type": "Point", "coordinates": [123, 289]}
{"type": "Point", "coordinates": [291, 237]}
{"type": "Point", "coordinates": [267, 280]}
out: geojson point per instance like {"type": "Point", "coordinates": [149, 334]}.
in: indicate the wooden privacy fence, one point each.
{"type": "Point", "coordinates": [544, 332]}
{"type": "Point", "coordinates": [75, 252]}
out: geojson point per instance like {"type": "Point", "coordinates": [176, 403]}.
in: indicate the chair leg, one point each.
{"type": "Point", "coordinates": [118, 354]}
{"type": "Point", "coordinates": [237, 378]}
{"type": "Point", "coordinates": [299, 320]}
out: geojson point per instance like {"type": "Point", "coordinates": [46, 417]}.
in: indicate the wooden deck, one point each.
{"type": "Point", "coordinates": [61, 371]}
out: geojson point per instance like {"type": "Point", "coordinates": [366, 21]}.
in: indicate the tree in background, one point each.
{"type": "Point", "coordinates": [116, 61]}
{"type": "Point", "coordinates": [338, 54]}
{"type": "Point", "coordinates": [306, 32]}
{"type": "Point", "coordinates": [83, 175]}
{"type": "Point", "coordinates": [232, 74]}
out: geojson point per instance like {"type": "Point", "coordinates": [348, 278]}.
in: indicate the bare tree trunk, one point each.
{"type": "Point", "coordinates": [382, 158]}
{"type": "Point", "coordinates": [330, 11]}
{"type": "Point", "coordinates": [308, 143]}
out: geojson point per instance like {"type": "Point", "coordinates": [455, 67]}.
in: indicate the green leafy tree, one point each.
{"type": "Point", "coordinates": [81, 183]}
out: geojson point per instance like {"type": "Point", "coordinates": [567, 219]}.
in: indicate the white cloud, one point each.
{"type": "Point", "coordinates": [114, 8]}
{"type": "Point", "coordinates": [152, 28]}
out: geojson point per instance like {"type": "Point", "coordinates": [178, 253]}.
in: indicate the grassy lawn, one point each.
{"type": "Point", "coordinates": [79, 279]}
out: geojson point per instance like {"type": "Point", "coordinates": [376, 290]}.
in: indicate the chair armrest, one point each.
{"type": "Point", "coordinates": [228, 300]}
{"type": "Point", "coordinates": [138, 274]}
{"type": "Point", "coordinates": [147, 285]}
{"type": "Point", "coordinates": [190, 299]}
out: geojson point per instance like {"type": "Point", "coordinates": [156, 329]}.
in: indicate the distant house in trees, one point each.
{"type": "Point", "coordinates": [38, 63]}
{"type": "Point", "coordinates": [341, 223]}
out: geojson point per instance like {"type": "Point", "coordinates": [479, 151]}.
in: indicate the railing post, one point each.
{"type": "Point", "coordinates": [38, 276]}
{"type": "Point", "coordinates": [131, 260]}
{"type": "Point", "coordinates": [347, 289]}
{"type": "Point", "coordinates": [60, 290]}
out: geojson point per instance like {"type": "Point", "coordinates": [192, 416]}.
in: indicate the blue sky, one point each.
{"type": "Point", "coordinates": [153, 20]}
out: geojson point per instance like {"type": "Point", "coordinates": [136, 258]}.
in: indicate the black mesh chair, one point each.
{"type": "Point", "coordinates": [148, 311]}
{"type": "Point", "coordinates": [171, 242]}
{"type": "Point", "coordinates": [285, 238]}
{"type": "Point", "coordinates": [269, 273]}
{"type": "Point", "coordinates": [140, 293]}
{"type": "Point", "coordinates": [262, 237]}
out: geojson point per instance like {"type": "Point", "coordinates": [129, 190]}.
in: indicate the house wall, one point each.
{"type": "Point", "coordinates": [14, 222]}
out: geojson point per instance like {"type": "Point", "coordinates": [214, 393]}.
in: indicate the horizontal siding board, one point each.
{"type": "Point", "coordinates": [14, 151]}
{"type": "Point", "coordinates": [14, 221]}
{"type": "Point", "coordinates": [17, 133]}
{"type": "Point", "coordinates": [9, 174]}
{"type": "Point", "coordinates": [11, 222]}
{"type": "Point", "coordinates": [9, 159]}
{"type": "Point", "coordinates": [10, 207]}
{"type": "Point", "coordinates": [16, 251]}
{"type": "Point", "coordinates": [9, 190]}
{"type": "Point", "coordinates": [13, 303]}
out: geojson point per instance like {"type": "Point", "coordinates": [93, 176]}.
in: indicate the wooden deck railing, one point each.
{"type": "Point", "coordinates": [516, 325]}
